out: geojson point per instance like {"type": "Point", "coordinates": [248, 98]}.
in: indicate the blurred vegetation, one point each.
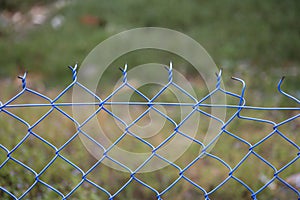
{"type": "Point", "coordinates": [258, 38]}
{"type": "Point", "coordinates": [207, 172]}
{"type": "Point", "coordinates": [17, 5]}
{"type": "Point", "coordinates": [254, 40]}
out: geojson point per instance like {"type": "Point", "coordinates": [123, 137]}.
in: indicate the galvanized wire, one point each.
{"type": "Point", "coordinates": [197, 106]}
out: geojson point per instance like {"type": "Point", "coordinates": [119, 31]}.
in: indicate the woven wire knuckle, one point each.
{"type": "Point", "coordinates": [55, 105]}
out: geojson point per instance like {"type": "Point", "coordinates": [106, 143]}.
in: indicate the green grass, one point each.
{"type": "Point", "coordinates": [252, 36]}
{"type": "Point", "coordinates": [254, 40]}
{"type": "Point", "coordinates": [207, 172]}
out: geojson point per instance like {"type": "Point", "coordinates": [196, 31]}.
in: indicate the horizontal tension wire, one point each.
{"type": "Point", "coordinates": [148, 104]}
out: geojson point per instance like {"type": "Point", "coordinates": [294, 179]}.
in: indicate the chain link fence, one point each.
{"type": "Point", "coordinates": [13, 186]}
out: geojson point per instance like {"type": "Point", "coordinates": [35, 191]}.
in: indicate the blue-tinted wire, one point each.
{"type": "Point", "coordinates": [151, 103]}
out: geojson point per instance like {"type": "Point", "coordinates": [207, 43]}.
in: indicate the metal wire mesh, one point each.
{"type": "Point", "coordinates": [55, 105]}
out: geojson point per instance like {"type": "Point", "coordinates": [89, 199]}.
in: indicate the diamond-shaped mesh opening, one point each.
{"type": "Point", "coordinates": [130, 157]}
{"type": "Point", "coordinates": [158, 179]}
{"type": "Point", "coordinates": [254, 172]}
{"type": "Point", "coordinates": [61, 176]}
{"type": "Point", "coordinates": [76, 151]}
{"type": "Point", "coordinates": [240, 192]}
{"type": "Point", "coordinates": [93, 148]}
{"type": "Point", "coordinates": [34, 153]}
{"type": "Point", "coordinates": [278, 115]}
{"type": "Point", "coordinates": [183, 190]}
{"type": "Point", "coordinates": [149, 90]}
{"type": "Point", "coordinates": [153, 128]}
{"type": "Point", "coordinates": [12, 131]}
{"type": "Point", "coordinates": [189, 154]}
{"type": "Point", "coordinates": [173, 95]}
{"type": "Point", "coordinates": [277, 190]}
{"type": "Point", "coordinates": [200, 126]}
{"type": "Point", "coordinates": [230, 113]}
{"type": "Point", "coordinates": [5, 196]}
{"type": "Point", "coordinates": [132, 144]}
{"type": "Point", "coordinates": [234, 148]}
{"type": "Point", "coordinates": [103, 128]}
{"type": "Point", "coordinates": [176, 113]}
{"type": "Point", "coordinates": [29, 114]}
{"type": "Point", "coordinates": [203, 124]}
{"type": "Point", "coordinates": [291, 129]}
{"type": "Point", "coordinates": [88, 191]}
{"type": "Point", "coordinates": [40, 191]}
{"type": "Point", "coordinates": [81, 113]}
{"type": "Point", "coordinates": [107, 177]}
{"type": "Point", "coordinates": [81, 97]}
{"type": "Point", "coordinates": [3, 155]}
{"type": "Point", "coordinates": [16, 178]}
{"type": "Point", "coordinates": [142, 117]}
{"type": "Point", "coordinates": [277, 150]}
{"type": "Point", "coordinates": [218, 98]}
{"type": "Point", "coordinates": [135, 190]}
{"type": "Point", "coordinates": [271, 115]}
{"type": "Point", "coordinates": [291, 174]}
{"type": "Point", "coordinates": [67, 96]}
{"type": "Point", "coordinates": [192, 128]}
{"type": "Point", "coordinates": [62, 128]}
{"type": "Point", "coordinates": [176, 148]}
{"type": "Point", "coordinates": [129, 113]}
{"type": "Point", "coordinates": [128, 94]}
{"type": "Point", "coordinates": [207, 172]}
{"type": "Point", "coordinates": [251, 131]}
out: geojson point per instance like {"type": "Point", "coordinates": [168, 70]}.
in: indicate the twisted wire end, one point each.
{"type": "Point", "coordinates": [219, 78]}
{"type": "Point", "coordinates": [124, 72]}
{"type": "Point", "coordinates": [170, 71]}
{"type": "Point", "coordinates": [125, 68]}
{"type": "Point", "coordinates": [171, 65]}
{"type": "Point", "coordinates": [23, 78]}
{"type": "Point", "coordinates": [74, 71]}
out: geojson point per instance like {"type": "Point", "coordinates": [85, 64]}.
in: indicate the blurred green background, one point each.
{"type": "Point", "coordinates": [258, 41]}
{"type": "Point", "coordinates": [258, 38]}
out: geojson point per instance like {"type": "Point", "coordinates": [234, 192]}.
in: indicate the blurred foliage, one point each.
{"type": "Point", "coordinates": [15, 5]}
{"type": "Point", "coordinates": [259, 38]}
{"type": "Point", "coordinates": [255, 40]}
